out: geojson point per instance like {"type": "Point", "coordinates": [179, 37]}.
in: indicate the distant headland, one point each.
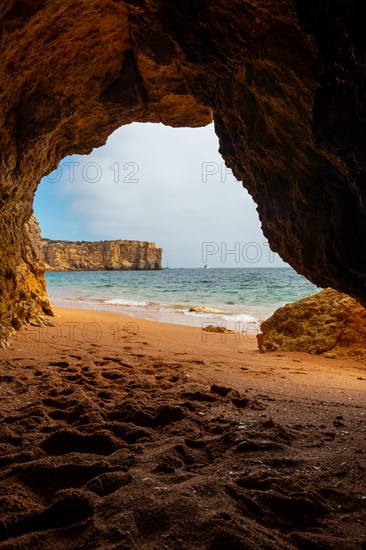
{"type": "Point", "coordinates": [100, 255]}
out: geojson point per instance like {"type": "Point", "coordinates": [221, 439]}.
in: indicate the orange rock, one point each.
{"type": "Point", "coordinates": [328, 323]}
{"type": "Point", "coordinates": [213, 328]}
{"type": "Point", "coordinates": [100, 255]}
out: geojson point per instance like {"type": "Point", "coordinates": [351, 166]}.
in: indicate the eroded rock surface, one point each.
{"type": "Point", "coordinates": [23, 297]}
{"type": "Point", "coordinates": [284, 82]}
{"type": "Point", "coordinates": [100, 256]}
{"type": "Point", "coordinates": [328, 323]}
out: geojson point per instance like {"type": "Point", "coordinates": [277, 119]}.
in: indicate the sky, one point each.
{"type": "Point", "coordinates": [150, 182]}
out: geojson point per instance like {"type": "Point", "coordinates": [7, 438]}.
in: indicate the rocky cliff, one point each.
{"type": "Point", "coordinates": [284, 82]}
{"type": "Point", "coordinates": [100, 256]}
{"type": "Point", "coordinates": [23, 297]}
{"type": "Point", "coordinates": [328, 323]}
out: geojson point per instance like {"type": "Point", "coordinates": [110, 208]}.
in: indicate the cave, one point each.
{"type": "Point", "coordinates": [283, 83]}
{"type": "Point", "coordinates": [147, 441]}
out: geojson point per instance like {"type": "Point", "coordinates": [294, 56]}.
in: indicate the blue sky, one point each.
{"type": "Point", "coordinates": [155, 183]}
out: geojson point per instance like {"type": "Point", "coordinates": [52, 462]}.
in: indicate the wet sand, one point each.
{"type": "Point", "coordinates": [119, 433]}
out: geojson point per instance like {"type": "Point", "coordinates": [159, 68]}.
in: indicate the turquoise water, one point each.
{"type": "Point", "coordinates": [229, 296]}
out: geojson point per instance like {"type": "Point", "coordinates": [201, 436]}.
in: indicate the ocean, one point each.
{"type": "Point", "coordinates": [237, 298]}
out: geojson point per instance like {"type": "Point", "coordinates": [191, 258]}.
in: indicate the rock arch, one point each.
{"type": "Point", "coordinates": [284, 82]}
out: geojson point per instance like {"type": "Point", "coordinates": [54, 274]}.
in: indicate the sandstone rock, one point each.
{"type": "Point", "coordinates": [100, 256]}
{"type": "Point", "coordinates": [23, 297]}
{"type": "Point", "coordinates": [328, 323]}
{"type": "Point", "coordinates": [283, 81]}
{"type": "Point", "coordinates": [199, 309]}
{"type": "Point", "coordinates": [214, 328]}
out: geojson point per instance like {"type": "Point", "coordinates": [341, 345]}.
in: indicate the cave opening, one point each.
{"type": "Point", "coordinates": [151, 182]}
{"type": "Point", "coordinates": [168, 186]}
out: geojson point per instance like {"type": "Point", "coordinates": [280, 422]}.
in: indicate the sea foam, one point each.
{"type": "Point", "coordinates": [125, 302]}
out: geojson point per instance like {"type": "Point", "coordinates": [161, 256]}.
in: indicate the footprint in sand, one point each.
{"type": "Point", "coordinates": [118, 361]}
{"type": "Point", "coordinates": [107, 483]}
{"type": "Point", "coordinates": [69, 509]}
{"type": "Point", "coordinates": [66, 441]}
{"type": "Point", "coordinates": [63, 364]}
{"type": "Point", "coordinates": [112, 375]}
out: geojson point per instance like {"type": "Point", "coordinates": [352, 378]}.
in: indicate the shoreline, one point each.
{"type": "Point", "coordinates": [159, 435]}
{"type": "Point", "coordinates": [226, 296]}
{"type": "Point", "coordinates": [88, 327]}
{"type": "Point", "coordinates": [191, 316]}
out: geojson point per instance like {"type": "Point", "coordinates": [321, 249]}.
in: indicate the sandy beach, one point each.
{"type": "Point", "coordinates": [121, 433]}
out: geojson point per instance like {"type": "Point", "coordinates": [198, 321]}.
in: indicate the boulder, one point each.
{"type": "Point", "coordinates": [328, 323]}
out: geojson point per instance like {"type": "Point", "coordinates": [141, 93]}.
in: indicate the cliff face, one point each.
{"type": "Point", "coordinates": [327, 323]}
{"type": "Point", "coordinates": [100, 256]}
{"type": "Point", "coordinates": [283, 81]}
{"type": "Point", "coordinates": [23, 297]}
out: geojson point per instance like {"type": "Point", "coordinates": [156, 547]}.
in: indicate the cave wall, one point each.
{"type": "Point", "coordinates": [23, 297]}
{"type": "Point", "coordinates": [284, 82]}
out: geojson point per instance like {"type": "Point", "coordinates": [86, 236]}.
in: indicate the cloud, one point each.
{"type": "Point", "coordinates": [155, 183]}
